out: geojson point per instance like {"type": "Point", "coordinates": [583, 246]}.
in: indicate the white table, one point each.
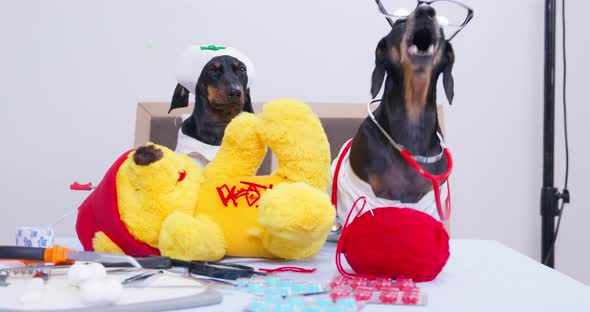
{"type": "Point", "coordinates": [481, 275]}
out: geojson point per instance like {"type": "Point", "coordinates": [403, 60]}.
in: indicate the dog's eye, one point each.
{"type": "Point", "coordinates": [242, 69]}
{"type": "Point", "coordinates": [215, 69]}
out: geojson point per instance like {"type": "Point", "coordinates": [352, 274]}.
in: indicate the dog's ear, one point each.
{"type": "Point", "coordinates": [248, 103]}
{"type": "Point", "coordinates": [448, 81]}
{"type": "Point", "coordinates": [379, 71]}
{"type": "Point", "coordinates": [180, 98]}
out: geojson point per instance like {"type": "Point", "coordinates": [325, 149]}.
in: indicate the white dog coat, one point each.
{"type": "Point", "coordinates": [351, 187]}
{"type": "Point", "coordinates": [199, 151]}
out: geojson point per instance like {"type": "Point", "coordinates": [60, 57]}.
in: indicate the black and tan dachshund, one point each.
{"type": "Point", "coordinates": [410, 59]}
{"type": "Point", "coordinates": [221, 94]}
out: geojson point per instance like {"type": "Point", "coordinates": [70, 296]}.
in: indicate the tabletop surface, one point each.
{"type": "Point", "coordinates": [480, 275]}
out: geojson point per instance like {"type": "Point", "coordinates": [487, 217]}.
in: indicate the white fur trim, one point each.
{"type": "Point", "coordinates": [192, 61]}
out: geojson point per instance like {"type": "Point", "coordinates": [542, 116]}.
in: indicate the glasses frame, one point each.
{"type": "Point", "coordinates": [389, 17]}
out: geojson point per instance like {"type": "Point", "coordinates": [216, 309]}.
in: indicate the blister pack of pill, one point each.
{"type": "Point", "coordinates": [340, 294]}
{"type": "Point", "coordinates": [303, 304]}
{"type": "Point", "coordinates": [271, 285]}
{"type": "Point", "coordinates": [400, 291]}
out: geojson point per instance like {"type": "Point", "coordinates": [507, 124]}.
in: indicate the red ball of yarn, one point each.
{"type": "Point", "coordinates": [396, 242]}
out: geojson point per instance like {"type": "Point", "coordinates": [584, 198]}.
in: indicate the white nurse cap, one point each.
{"type": "Point", "coordinates": [194, 58]}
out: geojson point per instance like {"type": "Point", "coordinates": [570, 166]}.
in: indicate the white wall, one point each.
{"type": "Point", "coordinates": [71, 73]}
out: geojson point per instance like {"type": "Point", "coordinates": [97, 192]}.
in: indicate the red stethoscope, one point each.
{"type": "Point", "coordinates": [436, 180]}
{"type": "Point", "coordinates": [414, 161]}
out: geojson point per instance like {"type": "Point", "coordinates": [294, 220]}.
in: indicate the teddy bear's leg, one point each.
{"type": "Point", "coordinates": [241, 151]}
{"type": "Point", "coordinates": [294, 133]}
{"type": "Point", "coordinates": [187, 238]}
{"type": "Point", "coordinates": [297, 217]}
{"type": "Point", "coordinates": [290, 249]}
{"type": "Point", "coordinates": [102, 243]}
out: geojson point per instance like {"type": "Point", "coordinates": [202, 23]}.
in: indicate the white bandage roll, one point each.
{"type": "Point", "coordinates": [194, 58]}
{"type": "Point", "coordinates": [35, 237]}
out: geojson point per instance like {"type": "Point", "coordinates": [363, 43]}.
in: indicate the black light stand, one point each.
{"type": "Point", "coordinates": [549, 193]}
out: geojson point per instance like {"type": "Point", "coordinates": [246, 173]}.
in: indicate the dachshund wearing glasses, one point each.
{"type": "Point", "coordinates": [410, 59]}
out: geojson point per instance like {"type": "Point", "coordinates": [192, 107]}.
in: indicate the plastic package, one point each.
{"type": "Point", "coordinates": [321, 303]}
{"type": "Point", "coordinates": [401, 291]}
{"type": "Point", "coordinates": [271, 285]}
{"type": "Point", "coordinates": [341, 294]}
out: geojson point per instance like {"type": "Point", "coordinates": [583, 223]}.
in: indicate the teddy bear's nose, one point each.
{"type": "Point", "coordinates": [146, 155]}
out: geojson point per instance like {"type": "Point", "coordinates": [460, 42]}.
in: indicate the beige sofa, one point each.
{"type": "Point", "coordinates": [340, 121]}
{"type": "Point", "coordinates": [154, 124]}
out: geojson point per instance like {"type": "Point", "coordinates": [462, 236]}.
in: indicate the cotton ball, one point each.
{"type": "Point", "coordinates": [92, 292]}
{"type": "Point", "coordinates": [113, 290]}
{"type": "Point", "coordinates": [34, 291]}
{"type": "Point", "coordinates": [77, 273]}
{"type": "Point", "coordinates": [80, 272]}
{"type": "Point", "coordinates": [100, 291]}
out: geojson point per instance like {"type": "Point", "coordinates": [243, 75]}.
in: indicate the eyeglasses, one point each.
{"type": "Point", "coordinates": [451, 15]}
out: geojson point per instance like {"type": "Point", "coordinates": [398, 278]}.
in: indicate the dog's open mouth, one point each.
{"type": "Point", "coordinates": [422, 44]}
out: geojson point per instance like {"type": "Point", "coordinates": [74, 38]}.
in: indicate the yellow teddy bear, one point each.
{"type": "Point", "coordinates": [155, 201]}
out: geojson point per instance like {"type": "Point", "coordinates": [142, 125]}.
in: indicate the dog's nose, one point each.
{"type": "Point", "coordinates": [234, 92]}
{"type": "Point", "coordinates": [425, 10]}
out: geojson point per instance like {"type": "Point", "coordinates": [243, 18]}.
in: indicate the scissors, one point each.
{"type": "Point", "coordinates": [214, 269]}
{"type": "Point", "coordinates": [219, 270]}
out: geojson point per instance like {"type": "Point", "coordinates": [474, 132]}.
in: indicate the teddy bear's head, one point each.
{"type": "Point", "coordinates": [153, 167]}
{"type": "Point", "coordinates": [151, 183]}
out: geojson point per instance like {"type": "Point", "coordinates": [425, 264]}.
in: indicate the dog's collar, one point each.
{"type": "Point", "coordinates": [418, 158]}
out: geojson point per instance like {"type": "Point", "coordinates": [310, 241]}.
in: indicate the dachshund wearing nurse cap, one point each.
{"type": "Point", "coordinates": [220, 78]}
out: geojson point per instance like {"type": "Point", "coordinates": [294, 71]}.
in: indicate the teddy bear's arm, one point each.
{"type": "Point", "coordinates": [187, 238]}
{"type": "Point", "coordinates": [295, 231]}
{"type": "Point", "coordinates": [294, 133]}
{"type": "Point", "coordinates": [102, 243]}
{"type": "Point", "coordinates": [241, 151]}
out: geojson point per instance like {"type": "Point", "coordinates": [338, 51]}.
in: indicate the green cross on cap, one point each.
{"type": "Point", "coordinates": [212, 48]}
